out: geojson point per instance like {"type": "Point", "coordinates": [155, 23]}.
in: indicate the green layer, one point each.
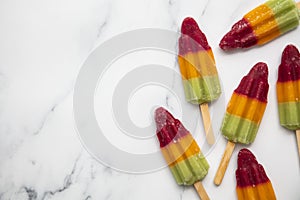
{"type": "Point", "coordinates": [202, 89]}
{"type": "Point", "coordinates": [237, 129]}
{"type": "Point", "coordinates": [289, 115]}
{"type": "Point", "coordinates": [190, 170]}
{"type": "Point", "coordinates": [286, 14]}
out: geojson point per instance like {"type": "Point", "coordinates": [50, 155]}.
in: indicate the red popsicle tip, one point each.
{"type": "Point", "coordinates": [289, 69]}
{"type": "Point", "coordinates": [290, 54]}
{"type": "Point", "coordinates": [255, 83]}
{"type": "Point", "coordinates": [192, 38]}
{"type": "Point", "coordinates": [167, 127]}
{"type": "Point", "coordinates": [246, 158]}
{"type": "Point", "coordinates": [259, 71]}
{"type": "Point", "coordinates": [189, 26]}
{"type": "Point", "coordinates": [240, 36]}
{"type": "Point", "coordinates": [162, 116]}
{"type": "Point", "coordinates": [249, 171]}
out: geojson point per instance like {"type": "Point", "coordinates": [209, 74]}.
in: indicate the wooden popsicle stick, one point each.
{"type": "Point", "coordinates": [224, 163]}
{"type": "Point", "coordinates": [201, 191]}
{"type": "Point", "coordinates": [298, 140]}
{"type": "Point", "coordinates": [207, 123]}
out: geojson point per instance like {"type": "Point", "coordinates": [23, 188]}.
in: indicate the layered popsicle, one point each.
{"type": "Point", "coordinates": [262, 24]}
{"type": "Point", "coordinates": [244, 113]}
{"type": "Point", "coordinates": [181, 152]}
{"type": "Point", "coordinates": [252, 181]}
{"type": "Point", "coordinates": [198, 69]}
{"type": "Point", "coordinates": [288, 90]}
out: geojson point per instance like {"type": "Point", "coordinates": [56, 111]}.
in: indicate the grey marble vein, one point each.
{"type": "Point", "coordinates": [101, 28]}
{"type": "Point", "coordinates": [52, 109]}
{"type": "Point", "coordinates": [171, 2]}
{"type": "Point", "coordinates": [181, 193]}
{"type": "Point", "coordinates": [32, 194]}
{"type": "Point", "coordinates": [88, 198]}
{"type": "Point", "coordinates": [205, 8]}
{"type": "Point", "coordinates": [68, 181]}
{"type": "Point", "coordinates": [174, 26]}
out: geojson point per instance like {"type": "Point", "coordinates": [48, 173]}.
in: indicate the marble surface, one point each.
{"type": "Point", "coordinates": [43, 46]}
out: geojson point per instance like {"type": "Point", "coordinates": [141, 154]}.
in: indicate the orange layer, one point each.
{"type": "Point", "coordinates": [182, 149]}
{"type": "Point", "coordinates": [263, 191]}
{"type": "Point", "coordinates": [288, 91]}
{"type": "Point", "coordinates": [263, 23]}
{"type": "Point", "coordinates": [247, 108]}
{"type": "Point", "coordinates": [197, 64]}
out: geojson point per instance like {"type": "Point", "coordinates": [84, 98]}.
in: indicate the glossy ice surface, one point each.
{"type": "Point", "coordinates": [262, 24]}
{"type": "Point", "coordinates": [181, 152]}
{"type": "Point", "coordinates": [252, 181]}
{"type": "Point", "coordinates": [197, 65]}
{"type": "Point", "coordinates": [246, 106]}
{"type": "Point", "coordinates": [288, 88]}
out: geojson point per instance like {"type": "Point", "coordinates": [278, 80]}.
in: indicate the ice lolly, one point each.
{"type": "Point", "coordinates": [244, 113]}
{"type": "Point", "coordinates": [181, 152]}
{"type": "Point", "coordinates": [198, 69]}
{"type": "Point", "coordinates": [262, 24]}
{"type": "Point", "coordinates": [288, 90]}
{"type": "Point", "coordinates": [252, 181]}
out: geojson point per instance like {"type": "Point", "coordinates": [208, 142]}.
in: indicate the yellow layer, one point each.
{"type": "Point", "coordinates": [263, 191]}
{"type": "Point", "coordinates": [247, 108]}
{"type": "Point", "coordinates": [263, 23]}
{"type": "Point", "coordinates": [182, 149]}
{"type": "Point", "coordinates": [288, 91]}
{"type": "Point", "coordinates": [197, 64]}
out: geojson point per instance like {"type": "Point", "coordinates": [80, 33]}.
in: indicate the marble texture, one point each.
{"type": "Point", "coordinates": [43, 45]}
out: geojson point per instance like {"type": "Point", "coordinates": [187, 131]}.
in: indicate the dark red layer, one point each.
{"type": "Point", "coordinates": [167, 127]}
{"type": "Point", "coordinates": [255, 83]}
{"type": "Point", "coordinates": [289, 69]}
{"type": "Point", "coordinates": [249, 171]}
{"type": "Point", "coordinates": [240, 36]}
{"type": "Point", "coordinates": [192, 39]}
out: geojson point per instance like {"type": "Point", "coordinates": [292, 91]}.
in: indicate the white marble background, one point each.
{"type": "Point", "coordinates": [42, 46]}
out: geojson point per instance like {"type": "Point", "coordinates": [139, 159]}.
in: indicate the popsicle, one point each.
{"type": "Point", "coordinates": [244, 113]}
{"type": "Point", "coordinates": [288, 90]}
{"type": "Point", "coordinates": [181, 152]}
{"type": "Point", "coordinates": [252, 181]}
{"type": "Point", "coordinates": [198, 70]}
{"type": "Point", "coordinates": [262, 24]}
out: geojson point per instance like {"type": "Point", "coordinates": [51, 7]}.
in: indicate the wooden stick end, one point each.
{"type": "Point", "coordinates": [224, 163]}
{"type": "Point", "coordinates": [207, 123]}
{"type": "Point", "coordinates": [201, 191]}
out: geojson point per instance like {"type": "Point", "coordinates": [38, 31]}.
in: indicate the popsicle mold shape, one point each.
{"type": "Point", "coordinates": [197, 65]}
{"type": "Point", "coordinates": [247, 105]}
{"type": "Point", "coordinates": [288, 88]}
{"type": "Point", "coordinates": [262, 24]}
{"type": "Point", "coordinates": [252, 181]}
{"type": "Point", "coordinates": [180, 150]}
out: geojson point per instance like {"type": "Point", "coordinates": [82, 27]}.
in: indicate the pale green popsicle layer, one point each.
{"type": "Point", "coordinates": [202, 89]}
{"type": "Point", "coordinates": [237, 129]}
{"type": "Point", "coordinates": [286, 14]}
{"type": "Point", "coordinates": [190, 170]}
{"type": "Point", "coordinates": [289, 115]}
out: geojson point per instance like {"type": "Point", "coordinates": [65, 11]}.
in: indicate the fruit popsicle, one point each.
{"type": "Point", "coordinates": [244, 113]}
{"type": "Point", "coordinates": [198, 69]}
{"type": "Point", "coordinates": [262, 24]}
{"type": "Point", "coordinates": [288, 90]}
{"type": "Point", "coordinates": [181, 152]}
{"type": "Point", "coordinates": [252, 181]}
